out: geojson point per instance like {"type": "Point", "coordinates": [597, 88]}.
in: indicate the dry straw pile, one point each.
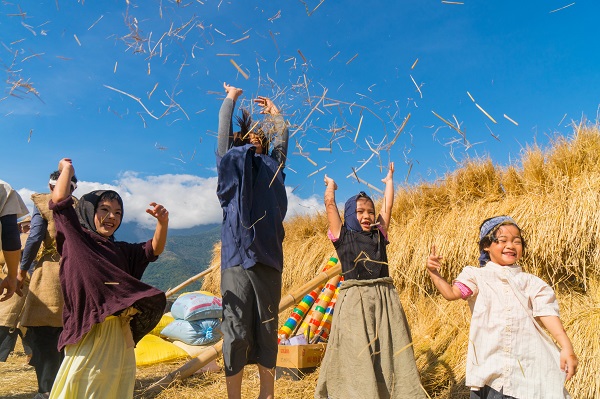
{"type": "Point", "coordinates": [553, 194]}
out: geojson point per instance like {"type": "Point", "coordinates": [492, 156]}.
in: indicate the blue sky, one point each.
{"type": "Point", "coordinates": [535, 62]}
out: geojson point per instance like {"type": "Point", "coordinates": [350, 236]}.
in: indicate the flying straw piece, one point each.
{"type": "Point", "coordinates": [77, 39]}
{"type": "Point", "coordinates": [561, 121]}
{"type": "Point", "coordinates": [31, 56]}
{"type": "Point", "coordinates": [361, 166]}
{"type": "Point", "coordinates": [309, 13]}
{"type": "Point", "coordinates": [492, 133]}
{"type": "Point", "coordinates": [29, 137]}
{"type": "Point", "coordinates": [115, 68]}
{"type": "Point", "coordinates": [486, 114]}
{"type": "Point", "coordinates": [275, 175]}
{"type": "Point", "coordinates": [244, 74]}
{"type": "Point", "coordinates": [400, 129]}
{"type": "Point", "coordinates": [507, 117]}
{"type": "Point", "coordinates": [154, 88]}
{"type": "Point", "coordinates": [241, 39]}
{"type": "Point", "coordinates": [562, 8]}
{"type": "Point", "coordinates": [317, 171]}
{"type": "Point", "coordinates": [303, 59]}
{"type": "Point", "coordinates": [335, 55]}
{"type": "Point", "coordinates": [452, 2]}
{"type": "Point", "coordinates": [417, 86]}
{"type": "Point", "coordinates": [450, 124]}
{"type": "Point", "coordinates": [471, 97]}
{"type": "Point", "coordinates": [327, 149]}
{"type": "Point", "coordinates": [408, 173]}
{"type": "Point", "coordinates": [372, 187]}
{"type": "Point", "coordinates": [414, 64]}
{"type": "Point", "coordinates": [358, 129]}
{"type": "Point", "coordinates": [94, 24]}
{"type": "Point", "coordinates": [352, 59]}
{"type": "Point", "coordinates": [135, 98]}
{"type": "Point", "coordinates": [311, 161]}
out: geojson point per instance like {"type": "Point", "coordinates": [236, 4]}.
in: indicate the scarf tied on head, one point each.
{"type": "Point", "coordinates": [350, 220]}
{"type": "Point", "coordinates": [86, 209]}
{"type": "Point", "coordinates": [486, 228]}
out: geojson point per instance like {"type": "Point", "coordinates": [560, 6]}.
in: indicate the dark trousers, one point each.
{"type": "Point", "coordinates": [250, 316]}
{"type": "Point", "coordinates": [46, 358]}
{"type": "Point", "coordinates": [8, 340]}
{"type": "Point", "coordinates": [488, 393]}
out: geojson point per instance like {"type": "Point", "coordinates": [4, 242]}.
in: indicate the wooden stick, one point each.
{"type": "Point", "coordinates": [212, 352]}
{"type": "Point", "coordinates": [191, 280]}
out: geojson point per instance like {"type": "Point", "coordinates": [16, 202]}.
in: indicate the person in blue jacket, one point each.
{"type": "Point", "coordinates": [251, 191]}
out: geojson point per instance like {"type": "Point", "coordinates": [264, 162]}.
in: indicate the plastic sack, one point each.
{"type": "Point", "coordinates": [198, 332]}
{"type": "Point", "coordinates": [152, 349]}
{"type": "Point", "coordinates": [197, 306]}
{"type": "Point", "coordinates": [164, 321]}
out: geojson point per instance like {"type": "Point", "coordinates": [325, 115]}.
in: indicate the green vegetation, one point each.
{"type": "Point", "coordinates": [184, 257]}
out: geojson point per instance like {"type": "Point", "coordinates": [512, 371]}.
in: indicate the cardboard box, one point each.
{"type": "Point", "coordinates": [293, 361]}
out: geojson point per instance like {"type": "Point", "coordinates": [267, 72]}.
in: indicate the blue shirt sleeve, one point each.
{"type": "Point", "coordinates": [35, 239]}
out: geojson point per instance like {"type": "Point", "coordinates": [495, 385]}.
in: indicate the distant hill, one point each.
{"type": "Point", "coordinates": [188, 252]}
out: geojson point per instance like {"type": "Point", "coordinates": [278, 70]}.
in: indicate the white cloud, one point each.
{"type": "Point", "coordinates": [25, 194]}
{"type": "Point", "coordinates": [191, 200]}
{"type": "Point", "coordinates": [303, 206]}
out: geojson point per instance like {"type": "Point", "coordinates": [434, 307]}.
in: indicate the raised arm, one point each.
{"type": "Point", "coordinates": [225, 132]}
{"type": "Point", "coordinates": [62, 190]}
{"type": "Point", "coordinates": [385, 214]}
{"type": "Point", "coordinates": [280, 142]}
{"type": "Point", "coordinates": [159, 240]}
{"type": "Point", "coordinates": [333, 215]}
{"type": "Point", "coordinates": [448, 291]}
{"type": "Point", "coordinates": [568, 360]}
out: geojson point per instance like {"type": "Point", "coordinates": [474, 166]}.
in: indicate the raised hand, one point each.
{"type": "Point", "coordinates": [268, 107]}
{"type": "Point", "coordinates": [232, 92]}
{"type": "Point", "coordinates": [329, 182]}
{"type": "Point", "coordinates": [159, 212]}
{"type": "Point", "coordinates": [390, 174]}
{"type": "Point", "coordinates": [434, 261]}
{"type": "Point", "coordinates": [65, 163]}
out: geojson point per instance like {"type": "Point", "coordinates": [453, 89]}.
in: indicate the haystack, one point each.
{"type": "Point", "coordinates": [552, 193]}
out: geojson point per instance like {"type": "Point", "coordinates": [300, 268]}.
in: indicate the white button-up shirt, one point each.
{"type": "Point", "coordinates": [507, 351]}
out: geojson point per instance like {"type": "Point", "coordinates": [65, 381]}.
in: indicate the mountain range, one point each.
{"type": "Point", "coordinates": [187, 253]}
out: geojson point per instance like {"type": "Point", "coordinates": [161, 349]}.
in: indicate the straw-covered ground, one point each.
{"type": "Point", "coordinates": [553, 194]}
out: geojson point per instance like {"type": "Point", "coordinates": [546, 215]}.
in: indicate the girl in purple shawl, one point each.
{"type": "Point", "coordinates": [107, 308]}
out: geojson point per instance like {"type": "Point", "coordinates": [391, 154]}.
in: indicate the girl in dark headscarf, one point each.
{"type": "Point", "coordinates": [369, 353]}
{"type": "Point", "coordinates": [107, 308]}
